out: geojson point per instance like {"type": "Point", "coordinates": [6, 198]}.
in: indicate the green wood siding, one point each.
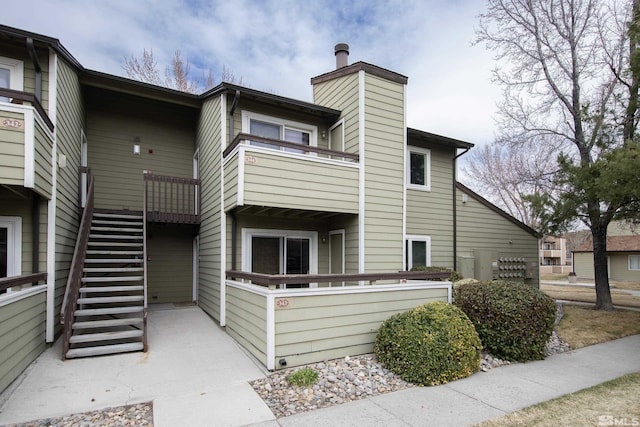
{"type": "Point", "coordinates": [481, 230]}
{"type": "Point", "coordinates": [619, 265]}
{"type": "Point", "coordinates": [247, 321]}
{"type": "Point", "coordinates": [170, 264]}
{"type": "Point", "coordinates": [384, 174]}
{"type": "Point", "coordinates": [209, 139]}
{"type": "Point", "coordinates": [429, 213]}
{"type": "Point", "coordinates": [281, 181]}
{"type": "Point", "coordinates": [12, 149]}
{"type": "Point", "coordinates": [166, 138]}
{"type": "Point", "coordinates": [231, 182]}
{"type": "Point", "coordinates": [22, 334]}
{"type": "Point", "coordinates": [43, 160]}
{"type": "Point", "coordinates": [321, 327]}
{"type": "Point", "coordinates": [70, 122]}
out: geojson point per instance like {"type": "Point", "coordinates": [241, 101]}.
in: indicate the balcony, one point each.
{"type": "Point", "coordinates": [280, 174]}
{"type": "Point", "coordinates": [552, 253]}
{"type": "Point", "coordinates": [171, 200]}
{"type": "Point", "coordinates": [26, 142]}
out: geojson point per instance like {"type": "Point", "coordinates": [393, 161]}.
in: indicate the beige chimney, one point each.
{"type": "Point", "coordinates": [342, 55]}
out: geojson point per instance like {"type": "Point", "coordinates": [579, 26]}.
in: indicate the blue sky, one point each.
{"type": "Point", "coordinates": [278, 45]}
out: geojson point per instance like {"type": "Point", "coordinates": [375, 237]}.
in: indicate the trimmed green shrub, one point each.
{"type": "Point", "coordinates": [429, 345]}
{"type": "Point", "coordinates": [303, 377]}
{"type": "Point", "coordinates": [514, 320]}
{"type": "Point", "coordinates": [455, 276]}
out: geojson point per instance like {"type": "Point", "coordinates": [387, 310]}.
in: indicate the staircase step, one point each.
{"type": "Point", "coordinates": [120, 229]}
{"type": "Point", "coordinates": [94, 324]}
{"type": "Point", "coordinates": [107, 222]}
{"type": "Point", "coordinates": [117, 216]}
{"type": "Point", "coordinates": [110, 310]}
{"type": "Point", "coordinates": [104, 349]}
{"type": "Point", "coordinates": [130, 288]}
{"type": "Point", "coordinates": [99, 252]}
{"type": "Point", "coordinates": [113, 260]}
{"type": "Point", "coordinates": [115, 237]}
{"type": "Point", "coordinates": [112, 279]}
{"type": "Point", "coordinates": [111, 244]}
{"type": "Point", "coordinates": [111, 269]}
{"type": "Point", "coordinates": [111, 300]}
{"type": "Point", "coordinates": [105, 336]}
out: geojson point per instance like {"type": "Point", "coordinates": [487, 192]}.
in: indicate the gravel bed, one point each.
{"type": "Point", "coordinates": [348, 379]}
{"type": "Point", "coordinates": [140, 414]}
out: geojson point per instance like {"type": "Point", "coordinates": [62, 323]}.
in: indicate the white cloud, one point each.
{"type": "Point", "coordinates": [278, 46]}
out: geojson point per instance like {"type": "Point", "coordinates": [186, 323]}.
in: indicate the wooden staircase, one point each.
{"type": "Point", "coordinates": [110, 313]}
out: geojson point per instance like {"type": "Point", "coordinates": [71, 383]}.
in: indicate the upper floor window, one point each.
{"type": "Point", "coordinates": [10, 246]}
{"type": "Point", "coordinates": [279, 129]}
{"type": "Point", "coordinates": [11, 75]}
{"type": "Point", "coordinates": [419, 168]}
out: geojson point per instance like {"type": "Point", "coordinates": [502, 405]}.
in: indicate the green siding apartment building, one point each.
{"type": "Point", "coordinates": [292, 224]}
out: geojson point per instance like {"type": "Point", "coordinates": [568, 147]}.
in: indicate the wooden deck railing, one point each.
{"type": "Point", "coordinates": [284, 279]}
{"type": "Point", "coordinates": [70, 300]}
{"type": "Point", "coordinates": [25, 279]}
{"type": "Point", "coordinates": [276, 143]}
{"type": "Point", "coordinates": [171, 199]}
{"type": "Point", "coordinates": [18, 97]}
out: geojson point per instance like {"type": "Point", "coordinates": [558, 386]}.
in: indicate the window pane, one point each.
{"type": "Point", "coordinates": [297, 256]}
{"type": "Point", "coordinates": [265, 130]}
{"type": "Point", "coordinates": [634, 262]}
{"type": "Point", "coordinates": [5, 81]}
{"type": "Point", "coordinates": [419, 253]}
{"type": "Point", "coordinates": [3, 252]}
{"type": "Point", "coordinates": [297, 136]}
{"type": "Point", "coordinates": [417, 168]}
{"type": "Point", "coordinates": [265, 255]}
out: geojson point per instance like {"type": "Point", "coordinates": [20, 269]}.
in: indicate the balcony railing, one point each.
{"type": "Point", "coordinates": [279, 144]}
{"type": "Point", "coordinates": [171, 199]}
{"type": "Point", "coordinates": [279, 280]}
{"type": "Point", "coordinates": [26, 279]}
{"type": "Point", "coordinates": [19, 97]}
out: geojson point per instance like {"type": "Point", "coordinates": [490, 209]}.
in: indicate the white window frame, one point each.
{"type": "Point", "coordinates": [409, 256]}
{"type": "Point", "coordinates": [247, 116]}
{"type": "Point", "coordinates": [637, 263]}
{"type": "Point", "coordinates": [427, 168]}
{"type": "Point", "coordinates": [13, 224]}
{"type": "Point", "coordinates": [249, 233]}
{"type": "Point", "coordinates": [16, 72]}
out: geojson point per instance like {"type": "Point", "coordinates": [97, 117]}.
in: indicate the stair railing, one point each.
{"type": "Point", "coordinates": [74, 281]}
{"type": "Point", "coordinates": [145, 208]}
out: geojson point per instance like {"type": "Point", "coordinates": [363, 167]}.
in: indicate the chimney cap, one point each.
{"type": "Point", "coordinates": [342, 47]}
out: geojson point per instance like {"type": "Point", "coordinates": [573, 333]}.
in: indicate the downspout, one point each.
{"type": "Point", "coordinates": [36, 64]}
{"type": "Point", "coordinates": [234, 222]}
{"type": "Point", "coordinates": [455, 210]}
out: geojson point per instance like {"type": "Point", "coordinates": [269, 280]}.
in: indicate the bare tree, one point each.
{"type": "Point", "coordinates": [569, 69]}
{"type": "Point", "coordinates": [507, 174]}
{"type": "Point", "coordinates": [177, 75]}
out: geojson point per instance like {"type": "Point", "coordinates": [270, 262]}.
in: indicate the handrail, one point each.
{"type": "Point", "coordinates": [72, 290]}
{"type": "Point", "coordinates": [18, 96]}
{"type": "Point", "coordinates": [25, 279]}
{"type": "Point", "coordinates": [171, 199]}
{"type": "Point", "coordinates": [144, 266]}
{"type": "Point", "coordinates": [286, 144]}
{"type": "Point", "coordinates": [284, 279]}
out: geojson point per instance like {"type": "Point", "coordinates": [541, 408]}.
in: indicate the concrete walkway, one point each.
{"type": "Point", "coordinates": [196, 375]}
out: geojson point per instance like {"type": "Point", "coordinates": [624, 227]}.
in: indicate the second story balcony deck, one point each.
{"type": "Point", "coordinates": [275, 173]}
{"type": "Point", "coordinates": [26, 142]}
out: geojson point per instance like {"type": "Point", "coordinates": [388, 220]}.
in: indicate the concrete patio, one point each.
{"type": "Point", "coordinates": [194, 373]}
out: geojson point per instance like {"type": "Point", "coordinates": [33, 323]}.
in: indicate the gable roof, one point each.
{"type": "Point", "coordinates": [434, 139]}
{"type": "Point", "coordinates": [361, 66]}
{"type": "Point", "coordinates": [614, 244]}
{"type": "Point", "coordinates": [466, 190]}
